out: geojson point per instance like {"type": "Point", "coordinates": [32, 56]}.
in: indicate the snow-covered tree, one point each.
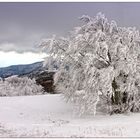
{"type": "Point", "coordinates": [99, 62]}
{"type": "Point", "coordinates": [16, 86]}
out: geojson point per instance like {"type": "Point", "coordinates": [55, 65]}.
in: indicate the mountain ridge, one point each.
{"type": "Point", "coordinates": [19, 69]}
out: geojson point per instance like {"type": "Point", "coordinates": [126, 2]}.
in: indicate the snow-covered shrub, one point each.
{"type": "Point", "coordinates": [16, 86]}
{"type": "Point", "coordinates": [100, 61]}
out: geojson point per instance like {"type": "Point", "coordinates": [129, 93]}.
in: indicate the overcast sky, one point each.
{"type": "Point", "coordinates": [23, 25]}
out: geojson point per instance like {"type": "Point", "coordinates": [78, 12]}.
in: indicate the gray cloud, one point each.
{"type": "Point", "coordinates": [23, 25]}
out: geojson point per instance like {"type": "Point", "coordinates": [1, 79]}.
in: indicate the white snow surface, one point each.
{"type": "Point", "coordinates": [49, 116]}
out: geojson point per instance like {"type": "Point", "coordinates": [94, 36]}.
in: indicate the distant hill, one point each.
{"type": "Point", "coordinates": [43, 77]}
{"type": "Point", "coordinates": [36, 70]}
{"type": "Point", "coordinates": [19, 69]}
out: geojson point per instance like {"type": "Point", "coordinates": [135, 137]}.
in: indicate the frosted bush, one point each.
{"type": "Point", "coordinates": [16, 86]}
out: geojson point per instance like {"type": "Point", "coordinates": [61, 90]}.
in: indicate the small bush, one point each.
{"type": "Point", "coordinates": [15, 86]}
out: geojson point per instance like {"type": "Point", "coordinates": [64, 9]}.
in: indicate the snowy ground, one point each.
{"type": "Point", "coordinates": [50, 116]}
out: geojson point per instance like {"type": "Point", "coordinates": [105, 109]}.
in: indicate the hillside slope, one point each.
{"type": "Point", "coordinates": [19, 69]}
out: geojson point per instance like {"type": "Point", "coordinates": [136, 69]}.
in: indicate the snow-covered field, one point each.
{"type": "Point", "coordinates": [50, 116]}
